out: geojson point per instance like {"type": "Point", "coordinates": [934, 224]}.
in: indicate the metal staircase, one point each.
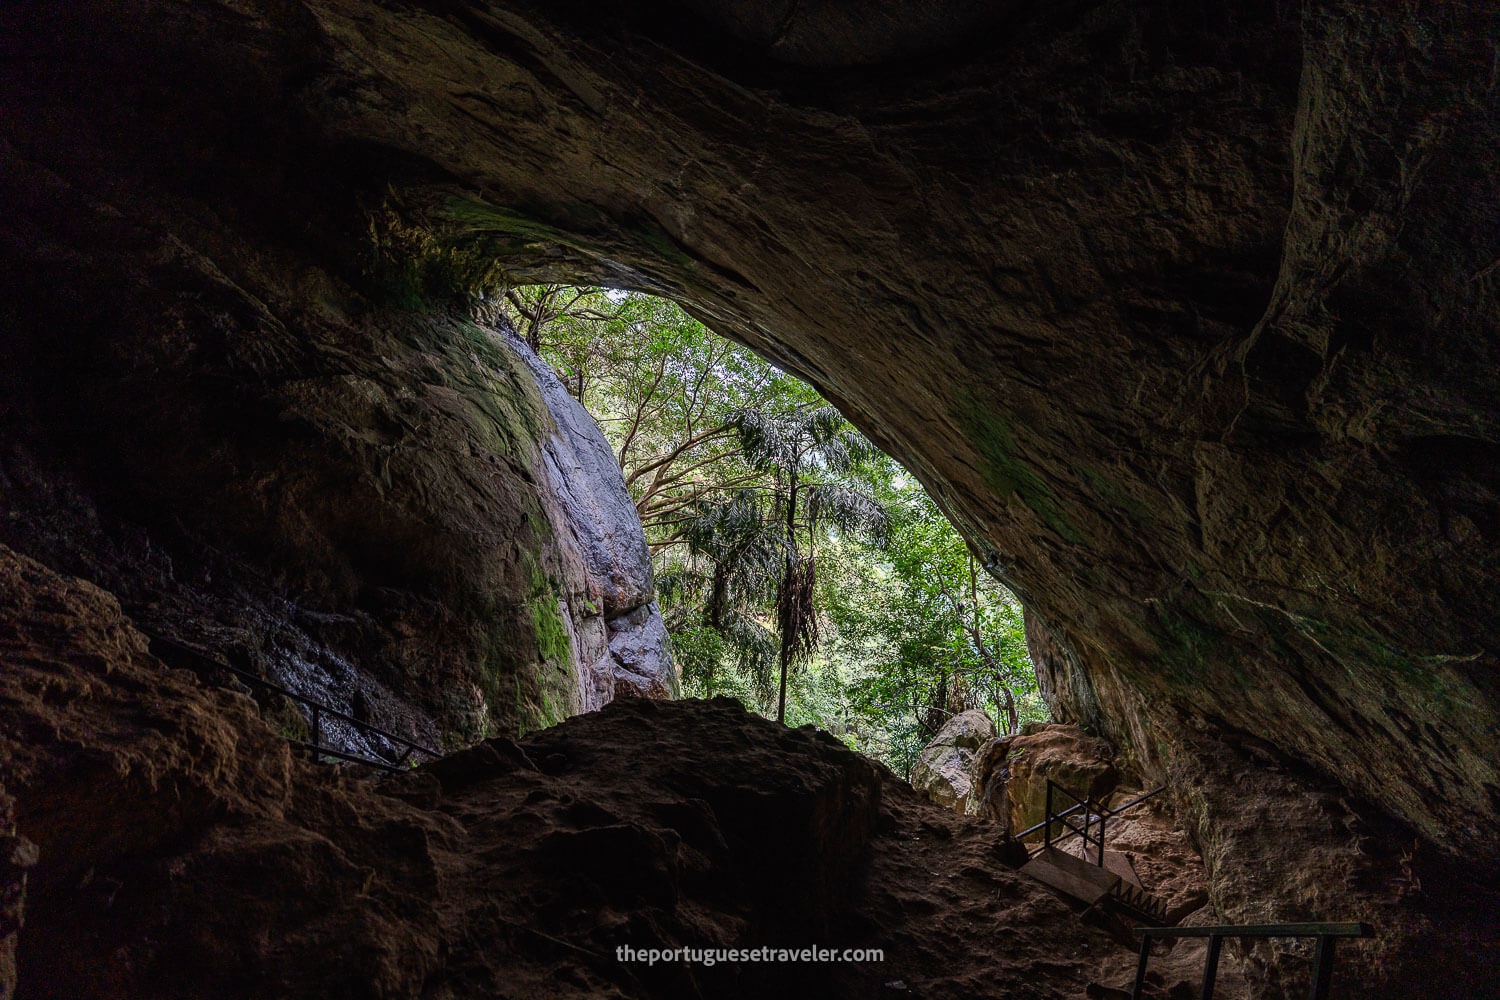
{"type": "Point", "coordinates": [1109, 879]}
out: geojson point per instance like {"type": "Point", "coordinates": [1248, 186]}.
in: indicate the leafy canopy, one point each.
{"type": "Point", "coordinates": [796, 564]}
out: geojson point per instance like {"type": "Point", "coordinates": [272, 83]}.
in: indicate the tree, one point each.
{"type": "Point", "coordinates": [812, 453]}
{"type": "Point", "coordinates": [927, 635]}
{"type": "Point", "coordinates": [662, 387]}
{"type": "Point", "coordinates": [796, 566]}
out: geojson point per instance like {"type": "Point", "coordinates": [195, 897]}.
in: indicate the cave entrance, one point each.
{"type": "Point", "coordinates": [800, 570]}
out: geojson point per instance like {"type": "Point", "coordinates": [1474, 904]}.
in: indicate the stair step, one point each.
{"type": "Point", "coordinates": [1071, 875]}
{"type": "Point", "coordinates": [1140, 900]}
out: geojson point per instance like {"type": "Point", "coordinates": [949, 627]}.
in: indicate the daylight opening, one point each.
{"type": "Point", "coordinates": [799, 569]}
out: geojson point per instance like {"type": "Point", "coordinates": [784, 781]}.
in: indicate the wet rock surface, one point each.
{"type": "Point", "coordinates": [183, 852]}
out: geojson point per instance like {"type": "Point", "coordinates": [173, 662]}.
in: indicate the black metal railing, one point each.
{"type": "Point", "coordinates": [317, 712]}
{"type": "Point", "coordinates": [1095, 813]}
{"type": "Point", "coordinates": [1323, 954]}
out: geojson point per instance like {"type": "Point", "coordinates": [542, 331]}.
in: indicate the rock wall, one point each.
{"type": "Point", "coordinates": [378, 506]}
{"type": "Point", "coordinates": [619, 643]}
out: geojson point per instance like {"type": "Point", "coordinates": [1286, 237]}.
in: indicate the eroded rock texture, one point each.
{"type": "Point", "coordinates": [944, 770]}
{"type": "Point", "coordinates": [370, 505]}
{"type": "Point", "coordinates": [1185, 312]}
{"type": "Point", "coordinates": [1012, 773]}
{"type": "Point", "coordinates": [183, 852]}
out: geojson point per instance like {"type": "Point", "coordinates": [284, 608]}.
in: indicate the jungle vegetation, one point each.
{"type": "Point", "coordinates": [800, 570]}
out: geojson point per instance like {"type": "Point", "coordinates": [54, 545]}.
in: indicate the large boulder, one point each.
{"type": "Point", "coordinates": [944, 768]}
{"type": "Point", "coordinates": [1013, 773]}
{"type": "Point", "coordinates": [619, 642]}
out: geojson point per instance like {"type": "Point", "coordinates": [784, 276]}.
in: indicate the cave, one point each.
{"type": "Point", "coordinates": [1186, 315]}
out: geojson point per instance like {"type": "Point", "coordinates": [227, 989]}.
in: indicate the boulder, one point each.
{"type": "Point", "coordinates": [590, 510]}
{"type": "Point", "coordinates": [944, 768]}
{"type": "Point", "coordinates": [1012, 773]}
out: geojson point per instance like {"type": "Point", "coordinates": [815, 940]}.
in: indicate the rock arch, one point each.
{"type": "Point", "coordinates": [1188, 317]}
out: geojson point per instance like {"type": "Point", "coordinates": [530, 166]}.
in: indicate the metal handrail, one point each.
{"type": "Point", "coordinates": [1089, 809]}
{"type": "Point", "coordinates": [1323, 958]}
{"type": "Point", "coordinates": [314, 746]}
{"type": "Point", "coordinates": [1073, 809]}
{"type": "Point", "coordinates": [1055, 816]}
{"type": "Point", "coordinates": [1092, 810]}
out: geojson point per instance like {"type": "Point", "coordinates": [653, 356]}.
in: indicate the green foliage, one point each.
{"type": "Point", "coordinates": [780, 535]}
{"type": "Point", "coordinates": [922, 634]}
{"type": "Point", "coordinates": [760, 541]}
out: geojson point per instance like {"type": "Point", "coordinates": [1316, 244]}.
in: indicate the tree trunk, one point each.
{"type": "Point", "coordinates": [786, 577]}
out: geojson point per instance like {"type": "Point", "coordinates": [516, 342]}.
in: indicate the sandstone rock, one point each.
{"type": "Point", "coordinates": [1013, 773]}
{"type": "Point", "coordinates": [641, 655]}
{"type": "Point", "coordinates": [944, 768]}
{"type": "Point", "coordinates": [1160, 852]}
{"type": "Point", "coordinates": [183, 852]}
{"type": "Point", "coordinates": [587, 503]}
{"type": "Point", "coordinates": [1187, 318]}
{"type": "Point", "coordinates": [1282, 844]}
{"type": "Point", "coordinates": [17, 855]}
{"type": "Point", "coordinates": [363, 504]}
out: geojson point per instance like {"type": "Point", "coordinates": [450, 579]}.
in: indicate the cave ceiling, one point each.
{"type": "Point", "coordinates": [1186, 314]}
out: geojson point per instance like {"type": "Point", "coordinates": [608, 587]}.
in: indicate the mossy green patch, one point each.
{"type": "Point", "coordinates": [993, 437]}
{"type": "Point", "coordinates": [510, 416]}
{"type": "Point", "coordinates": [498, 662]}
{"type": "Point", "coordinates": [1190, 648]}
{"type": "Point", "coordinates": [466, 720]}
{"type": "Point", "coordinates": [503, 232]}
{"type": "Point", "coordinates": [1112, 493]}
{"type": "Point", "coordinates": [1356, 646]}
{"type": "Point", "coordinates": [416, 266]}
{"type": "Point", "coordinates": [470, 215]}
{"type": "Point", "coordinates": [284, 716]}
{"type": "Point", "coordinates": [552, 640]}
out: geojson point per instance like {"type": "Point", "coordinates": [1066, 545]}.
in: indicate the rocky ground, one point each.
{"type": "Point", "coordinates": [173, 847]}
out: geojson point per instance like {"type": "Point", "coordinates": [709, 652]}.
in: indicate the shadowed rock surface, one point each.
{"type": "Point", "coordinates": [1187, 316]}
{"type": "Point", "coordinates": [185, 853]}
{"type": "Point", "coordinates": [345, 498]}
{"type": "Point", "coordinates": [1012, 773]}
